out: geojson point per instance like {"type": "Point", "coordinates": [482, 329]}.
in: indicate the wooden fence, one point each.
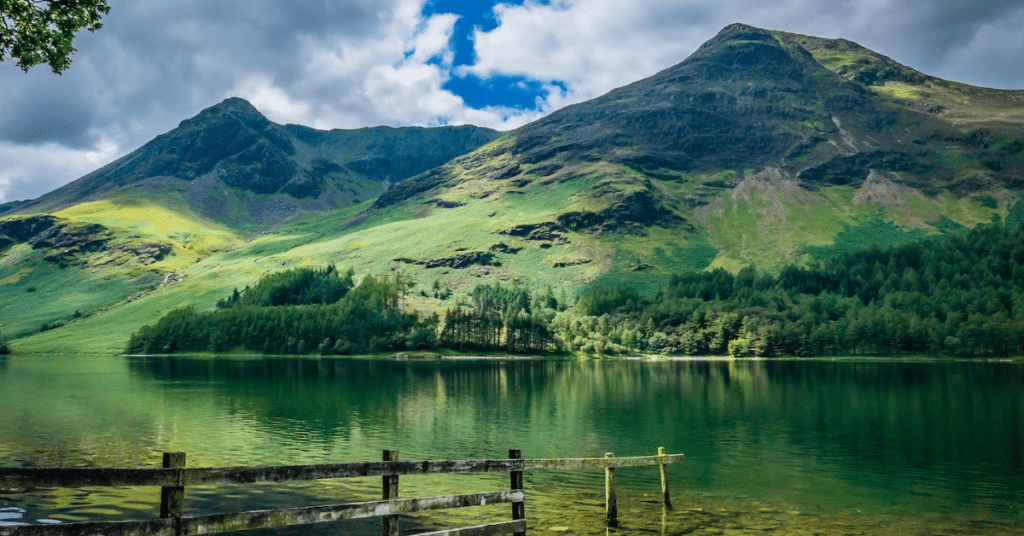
{"type": "Point", "coordinates": [174, 477]}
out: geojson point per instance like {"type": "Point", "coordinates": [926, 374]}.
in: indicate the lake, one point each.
{"type": "Point", "coordinates": [772, 447]}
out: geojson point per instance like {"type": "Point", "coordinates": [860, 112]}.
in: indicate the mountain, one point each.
{"type": "Point", "coordinates": [236, 167]}
{"type": "Point", "coordinates": [767, 147]}
{"type": "Point", "coordinates": [762, 148]}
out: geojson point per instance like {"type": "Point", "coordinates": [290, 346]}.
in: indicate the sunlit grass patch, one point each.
{"type": "Point", "coordinates": [16, 276]}
{"type": "Point", "coordinates": [899, 90]}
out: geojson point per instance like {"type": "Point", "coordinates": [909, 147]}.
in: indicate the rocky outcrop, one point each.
{"type": "Point", "coordinates": [502, 247]}
{"type": "Point", "coordinates": [571, 262]}
{"type": "Point", "coordinates": [629, 212]}
{"type": "Point", "coordinates": [24, 229]}
{"type": "Point", "coordinates": [460, 261]}
{"type": "Point", "coordinates": [881, 190]}
{"type": "Point", "coordinates": [412, 187]}
{"type": "Point", "coordinates": [72, 236]}
{"type": "Point", "coordinates": [443, 203]}
{"type": "Point", "coordinates": [64, 242]}
{"type": "Point", "coordinates": [544, 231]}
{"type": "Point", "coordinates": [142, 253]}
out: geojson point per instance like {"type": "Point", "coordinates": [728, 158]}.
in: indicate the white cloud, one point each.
{"type": "Point", "coordinates": [393, 77]}
{"type": "Point", "coordinates": [433, 39]}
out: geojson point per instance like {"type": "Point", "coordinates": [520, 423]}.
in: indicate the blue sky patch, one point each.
{"type": "Point", "coordinates": [516, 92]}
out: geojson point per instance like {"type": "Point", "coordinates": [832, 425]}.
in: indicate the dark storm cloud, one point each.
{"type": "Point", "coordinates": [65, 116]}
{"type": "Point", "coordinates": [955, 21]}
{"type": "Point", "coordinates": [938, 36]}
{"type": "Point", "coordinates": [155, 63]}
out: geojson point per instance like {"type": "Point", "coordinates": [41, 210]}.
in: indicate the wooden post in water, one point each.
{"type": "Point", "coordinates": [389, 524]}
{"type": "Point", "coordinates": [611, 509]}
{"type": "Point", "coordinates": [666, 501]}
{"type": "Point", "coordinates": [518, 508]}
{"type": "Point", "coordinates": [172, 498]}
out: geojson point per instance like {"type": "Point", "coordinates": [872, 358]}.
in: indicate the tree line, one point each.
{"type": "Point", "coordinates": [960, 295]}
{"type": "Point", "coordinates": [320, 310]}
{"type": "Point", "coordinates": [363, 318]}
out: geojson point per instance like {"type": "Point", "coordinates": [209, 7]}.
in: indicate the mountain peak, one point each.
{"type": "Point", "coordinates": [231, 105]}
{"type": "Point", "coordinates": [237, 108]}
{"type": "Point", "coordinates": [742, 32]}
{"type": "Point", "coordinates": [235, 103]}
{"type": "Point", "coordinates": [733, 33]}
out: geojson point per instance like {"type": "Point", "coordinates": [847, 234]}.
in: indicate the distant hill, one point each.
{"type": "Point", "coordinates": [241, 169]}
{"type": "Point", "coordinates": [762, 148]}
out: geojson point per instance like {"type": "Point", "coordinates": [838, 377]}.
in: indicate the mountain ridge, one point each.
{"type": "Point", "coordinates": [232, 150]}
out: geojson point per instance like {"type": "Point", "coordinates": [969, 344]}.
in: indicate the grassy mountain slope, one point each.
{"type": "Point", "coordinates": [762, 148]}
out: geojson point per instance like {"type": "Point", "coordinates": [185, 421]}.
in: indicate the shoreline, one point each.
{"type": "Point", "coordinates": [425, 357]}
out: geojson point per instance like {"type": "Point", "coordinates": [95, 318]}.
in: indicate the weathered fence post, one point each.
{"type": "Point", "coordinates": [389, 524]}
{"type": "Point", "coordinates": [518, 507]}
{"type": "Point", "coordinates": [664, 480]}
{"type": "Point", "coordinates": [172, 498]}
{"type": "Point", "coordinates": [611, 509]}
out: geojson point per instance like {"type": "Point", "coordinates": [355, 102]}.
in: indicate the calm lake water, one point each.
{"type": "Point", "coordinates": [772, 447]}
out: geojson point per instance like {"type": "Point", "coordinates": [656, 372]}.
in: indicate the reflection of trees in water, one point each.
{"type": "Point", "coordinates": [420, 402]}
{"type": "Point", "coordinates": [865, 416]}
{"type": "Point", "coordinates": [925, 415]}
{"type": "Point", "coordinates": [922, 415]}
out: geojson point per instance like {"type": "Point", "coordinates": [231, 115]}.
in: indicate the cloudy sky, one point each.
{"type": "Point", "coordinates": [354, 63]}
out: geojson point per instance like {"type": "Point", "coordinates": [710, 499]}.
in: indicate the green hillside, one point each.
{"type": "Point", "coordinates": [763, 148]}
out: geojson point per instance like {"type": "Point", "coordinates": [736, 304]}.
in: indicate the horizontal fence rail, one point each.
{"type": "Point", "coordinates": [81, 477]}
{"type": "Point", "coordinates": [585, 464]}
{"type": "Point", "coordinates": [173, 478]}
